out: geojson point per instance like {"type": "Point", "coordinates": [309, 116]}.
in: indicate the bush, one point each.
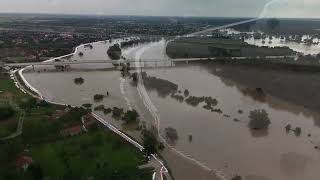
{"type": "Point", "coordinates": [186, 93]}
{"type": "Point", "coordinates": [107, 111]}
{"type": "Point", "coordinates": [99, 108]}
{"type": "Point", "coordinates": [171, 134]}
{"type": "Point", "coordinates": [297, 131]}
{"type": "Point", "coordinates": [288, 127]}
{"type": "Point", "coordinates": [98, 97]}
{"type": "Point", "coordinates": [6, 112]}
{"type": "Point", "coordinates": [28, 103]}
{"type": "Point", "coordinates": [114, 52]}
{"type": "Point", "coordinates": [259, 120]}
{"type": "Point", "coordinates": [79, 81]}
{"type": "Point", "coordinates": [130, 116]}
{"type": "Point", "coordinates": [87, 105]}
{"type": "Point", "coordinates": [117, 112]}
{"type": "Point", "coordinates": [150, 142]}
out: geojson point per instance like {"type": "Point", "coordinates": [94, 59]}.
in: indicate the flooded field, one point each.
{"type": "Point", "coordinates": [223, 140]}
{"type": "Point", "coordinates": [220, 139]}
{"type": "Point", "coordinates": [278, 42]}
{"type": "Point", "coordinates": [273, 41]}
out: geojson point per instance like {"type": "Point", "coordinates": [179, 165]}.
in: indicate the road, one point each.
{"type": "Point", "coordinates": [133, 61]}
{"type": "Point", "coordinates": [162, 169]}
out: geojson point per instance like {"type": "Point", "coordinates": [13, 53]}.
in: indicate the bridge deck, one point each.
{"type": "Point", "coordinates": [63, 63]}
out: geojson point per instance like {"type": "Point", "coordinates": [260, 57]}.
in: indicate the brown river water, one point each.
{"type": "Point", "coordinates": [218, 141]}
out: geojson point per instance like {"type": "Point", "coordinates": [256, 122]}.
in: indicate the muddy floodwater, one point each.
{"type": "Point", "coordinates": [221, 139]}
{"type": "Point", "coordinates": [224, 142]}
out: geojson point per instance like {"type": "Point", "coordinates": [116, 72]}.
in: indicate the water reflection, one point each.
{"type": "Point", "coordinates": [258, 133]}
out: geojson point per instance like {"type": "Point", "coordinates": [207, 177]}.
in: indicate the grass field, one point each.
{"type": "Point", "coordinates": [9, 92]}
{"type": "Point", "coordinates": [99, 154]}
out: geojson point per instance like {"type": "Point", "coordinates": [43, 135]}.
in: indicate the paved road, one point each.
{"type": "Point", "coordinates": [133, 61]}
{"type": "Point", "coordinates": [163, 170]}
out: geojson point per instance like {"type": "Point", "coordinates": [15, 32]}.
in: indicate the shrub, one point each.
{"type": "Point", "coordinates": [150, 142]}
{"type": "Point", "coordinates": [171, 134]}
{"type": "Point", "coordinates": [186, 93]}
{"type": "Point", "coordinates": [288, 127]}
{"type": "Point", "coordinates": [259, 120]}
{"type": "Point", "coordinates": [297, 131]}
{"type": "Point", "coordinates": [79, 81]}
{"type": "Point", "coordinates": [117, 112]}
{"type": "Point", "coordinates": [6, 112]}
{"type": "Point", "coordinates": [98, 97]}
{"type": "Point", "coordinates": [87, 105]}
{"type": "Point", "coordinates": [130, 116]}
{"type": "Point", "coordinates": [114, 52]}
{"type": "Point", "coordinates": [99, 108]}
{"type": "Point", "coordinates": [107, 111]}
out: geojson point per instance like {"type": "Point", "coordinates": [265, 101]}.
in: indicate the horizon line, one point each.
{"type": "Point", "coordinates": [138, 15]}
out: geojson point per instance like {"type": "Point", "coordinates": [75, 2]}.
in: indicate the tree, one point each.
{"type": "Point", "coordinates": [87, 105]}
{"type": "Point", "coordinates": [98, 97]}
{"type": "Point", "coordinates": [117, 112]}
{"type": "Point", "coordinates": [6, 112]}
{"type": "Point", "coordinates": [288, 127]}
{"type": "Point", "coordinates": [130, 116]}
{"type": "Point", "coordinates": [35, 171]}
{"type": "Point", "coordinates": [297, 131]}
{"type": "Point", "coordinates": [186, 93]}
{"type": "Point", "coordinates": [79, 81]}
{"type": "Point", "coordinates": [150, 142]}
{"type": "Point", "coordinates": [114, 52]}
{"type": "Point", "coordinates": [28, 103]}
{"type": "Point", "coordinates": [171, 134]}
{"type": "Point", "coordinates": [259, 120]}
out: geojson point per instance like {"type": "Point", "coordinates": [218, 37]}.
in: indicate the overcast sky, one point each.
{"type": "Point", "coordinates": [230, 8]}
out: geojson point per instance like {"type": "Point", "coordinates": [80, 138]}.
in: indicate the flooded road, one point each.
{"type": "Point", "coordinates": [222, 141]}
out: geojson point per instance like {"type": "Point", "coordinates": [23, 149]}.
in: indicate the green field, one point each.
{"type": "Point", "coordinates": [10, 95]}
{"type": "Point", "coordinates": [99, 154]}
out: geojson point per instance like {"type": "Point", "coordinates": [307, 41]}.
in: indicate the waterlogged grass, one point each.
{"type": "Point", "coordinates": [99, 154]}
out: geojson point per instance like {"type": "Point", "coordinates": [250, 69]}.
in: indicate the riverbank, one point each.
{"type": "Point", "coordinates": [182, 165]}
{"type": "Point", "coordinates": [29, 88]}
{"type": "Point", "coordinates": [40, 152]}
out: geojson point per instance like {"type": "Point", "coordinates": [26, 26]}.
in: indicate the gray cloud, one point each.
{"type": "Point", "coordinates": [231, 8]}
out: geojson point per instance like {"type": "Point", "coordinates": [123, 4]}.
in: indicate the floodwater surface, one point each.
{"type": "Point", "coordinates": [221, 141]}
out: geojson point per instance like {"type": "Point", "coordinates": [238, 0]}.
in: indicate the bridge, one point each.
{"type": "Point", "coordinates": [118, 62]}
